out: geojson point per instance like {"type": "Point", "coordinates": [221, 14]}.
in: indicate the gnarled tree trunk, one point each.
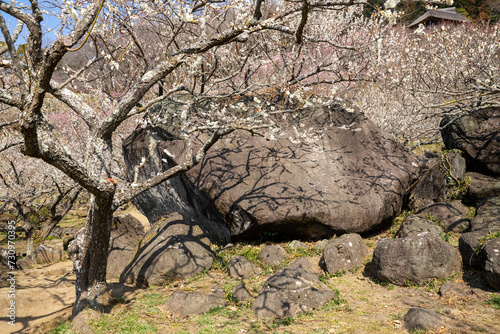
{"type": "Point", "coordinates": [89, 253]}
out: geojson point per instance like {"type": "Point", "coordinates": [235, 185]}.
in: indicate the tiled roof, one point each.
{"type": "Point", "coordinates": [449, 14]}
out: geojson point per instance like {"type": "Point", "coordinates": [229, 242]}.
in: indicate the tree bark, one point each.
{"type": "Point", "coordinates": [89, 253]}
{"type": "Point", "coordinates": [29, 240]}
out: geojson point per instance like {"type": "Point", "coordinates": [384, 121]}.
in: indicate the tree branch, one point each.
{"type": "Point", "coordinates": [174, 171]}
{"type": "Point", "coordinates": [303, 22]}
{"type": "Point", "coordinates": [72, 100]}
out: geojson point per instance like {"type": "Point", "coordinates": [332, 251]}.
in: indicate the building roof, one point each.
{"type": "Point", "coordinates": [449, 14]}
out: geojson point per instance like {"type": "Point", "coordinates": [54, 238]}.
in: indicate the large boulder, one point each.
{"type": "Point", "coordinates": [312, 188]}
{"type": "Point", "coordinates": [45, 254]}
{"type": "Point", "coordinates": [484, 223]}
{"type": "Point", "coordinates": [415, 259]}
{"type": "Point", "coordinates": [452, 216]}
{"type": "Point", "coordinates": [430, 188]}
{"type": "Point", "coordinates": [345, 252]}
{"type": "Point", "coordinates": [145, 156]}
{"type": "Point", "coordinates": [291, 291]}
{"type": "Point", "coordinates": [413, 225]}
{"type": "Point", "coordinates": [477, 134]}
{"type": "Point", "coordinates": [482, 186]}
{"type": "Point", "coordinates": [487, 216]}
{"type": "Point", "coordinates": [175, 247]}
{"type": "Point", "coordinates": [492, 262]}
{"type": "Point", "coordinates": [443, 178]}
{"type": "Point", "coordinates": [126, 233]}
{"type": "Point", "coordinates": [469, 248]}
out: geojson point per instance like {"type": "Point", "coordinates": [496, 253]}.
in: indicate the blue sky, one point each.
{"type": "Point", "coordinates": [49, 22]}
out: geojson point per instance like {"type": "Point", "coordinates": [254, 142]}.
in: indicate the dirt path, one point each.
{"type": "Point", "coordinates": [41, 295]}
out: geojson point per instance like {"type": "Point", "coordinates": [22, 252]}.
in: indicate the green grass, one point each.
{"type": "Point", "coordinates": [122, 323]}
{"type": "Point", "coordinates": [494, 301]}
{"type": "Point", "coordinates": [387, 285]}
{"type": "Point", "coordinates": [63, 328]}
{"type": "Point", "coordinates": [336, 303]}
{"type": "Point", "coordinates": [483, 240]}
{"type": "Point", "coordinates": [250, 251]}
{"type": "Point", "coordinates": [295, 253]}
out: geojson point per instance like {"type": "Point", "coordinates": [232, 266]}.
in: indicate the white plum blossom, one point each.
{"type": "Point", "coordinates": [391, 3]}
{"type": "Point", "coordinates": [420, 30]}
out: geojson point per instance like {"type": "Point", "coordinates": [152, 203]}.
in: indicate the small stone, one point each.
{"type": "Point", "coordinates": [298, 244]}
{"type": "Point", "coordinates": [241, 267]}
{"type": "Point", "coordinates": [241, 293]}
{"type": "Point", "coordinates": [272, 255]}
{"type": "Point", "coordinates": [422, 319]}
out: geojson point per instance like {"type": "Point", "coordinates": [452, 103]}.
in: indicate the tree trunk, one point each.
{"type": "Point", "coordinates": [89, 253]}
{"type": "Point", "coordinates": [29, 240]}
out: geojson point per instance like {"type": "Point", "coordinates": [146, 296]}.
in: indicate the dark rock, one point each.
{"type": "Point", "coordinates": [175, 247]}
{"type": "Point", "coordinates": [81, 322]}
{"type": "Point", "coordinates": [492, 262]}
{"type": "Point", "coordinates": [430, 188]}
{"type": "Point", "coordinates": [477, 134]}
{"type": "Point", "coordinates": [431, 155]}
{"type": "Point", "coordinates": [25, 263]}
{"type": "Point", "coordinates": [487, 214]}
{"type": "Point", "coordinates": [126, 233]}
{"type": "Point", "coordinates": [481, 187]}
{"type": "Point", "coordinates": [414, 259]}
{"type": "Point", "coordinates": [289, 292]}
{"type": "Point", "coordinates": [178, 194]}
{"type": "Point", "coordinates": [480, 293]}
{"type": "Point", "coordinates": [46, 254]}
{"type": "Point", "coordinates": [57, 232]}
{"type": "Point", "coordinates": [298, 244]}
{"type": "Point", "coordinates": [308, 263]}
{"type": "Point", "coordinates": [451, 215]}
{"type": "Point", "coordinates": [457, 165]}
{"type": "Point", "coordinates": [485, 222]}
{"type": "Point", "coordinates": [183, 303]}
{"type": "Point", "coordinates": [422, 319]}
{"type": "Point", "coordinates": [241, 267]}
{"type": "Point", "coordinates": [414, 225]}
{"type": "Point", "coordinates": [241, 293]}
{"type": "Point", "coordinates": [321, 244]}
{"type": "Point", "coordinates": [468, 245]}
{"type": "Point", "coordinates": [453, 289]}
{"type": "Point", "coordinates": [272, 255]}
{"type": "Point", "coordinates": [345, 252]}
{"type": "Point", "coordinates": [299, 190]}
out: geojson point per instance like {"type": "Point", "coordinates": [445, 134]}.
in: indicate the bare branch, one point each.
{"type": "Point", "coordinates": [303, 21]}
{"type": "Point", "coordinates": [9, 145]}
{"type": "Point", "coordinates": [174, 171]}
